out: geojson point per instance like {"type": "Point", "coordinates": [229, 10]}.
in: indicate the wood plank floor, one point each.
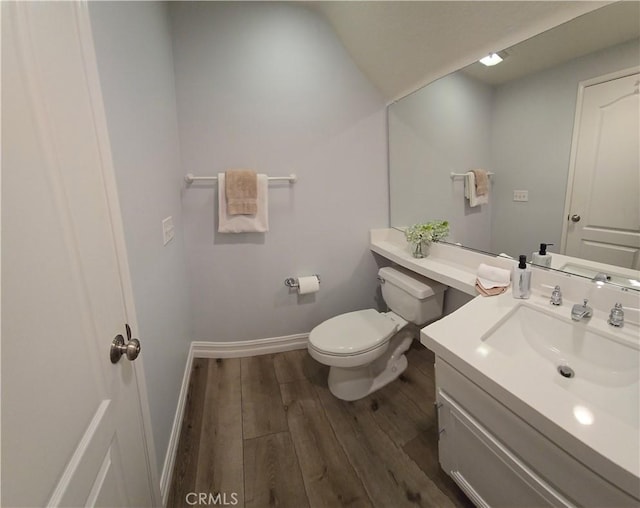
{"type": "Point", "coordinates": [265, 431]}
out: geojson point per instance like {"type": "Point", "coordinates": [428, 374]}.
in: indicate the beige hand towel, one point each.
{"type": "Point", "coordinates": [482, 181]}
{"type": "Point", "coordinates": [489, 292]}
{"type": "Point", "coordinates": [241, 190]}
{"type": "Point", "coordinates": [244, 223]}
{"type": "Point", "coordinates": [470, 191]}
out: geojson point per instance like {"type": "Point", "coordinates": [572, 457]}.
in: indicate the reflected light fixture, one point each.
{"type": "Point", "coordinates": [583, 415]}
{"type": "Point", "coordinates": [483, 350]}
{"type": "Point", "coordinates": [493, 59]}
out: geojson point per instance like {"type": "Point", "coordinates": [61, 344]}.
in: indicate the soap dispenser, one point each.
{"type": "Point", "coordinates": [521, 279]}
{"type": "Point", "coordinates": [541, 258]}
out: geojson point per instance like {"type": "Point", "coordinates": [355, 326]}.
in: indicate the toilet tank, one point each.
{"type": "Point", "coordinates": [414, 297]}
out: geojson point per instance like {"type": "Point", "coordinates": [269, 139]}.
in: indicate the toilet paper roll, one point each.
{"type": "Point", "coordinates": [307, 285]}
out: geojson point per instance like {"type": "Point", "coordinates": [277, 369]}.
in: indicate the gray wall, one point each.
{"type": "Point", "coordinates": [442, 128]}
{"type": "Point", "coordinates": [268, 86]}
{"type": "Point", "coordinates": [532, 130]}
{"type": "Point", "coordinates": [133, 46]}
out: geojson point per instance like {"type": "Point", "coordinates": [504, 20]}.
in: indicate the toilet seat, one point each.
{"type": "Point", "coordinates": [352, 333]}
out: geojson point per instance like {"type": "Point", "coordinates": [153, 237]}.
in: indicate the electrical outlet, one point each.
{"type": "Point", "coordinates": [168, 230]}
{"type": "Point", "coordinates": [520, 195]}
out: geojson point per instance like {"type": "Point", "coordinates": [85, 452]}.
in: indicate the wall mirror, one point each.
{"type": "Point", "coordinates": [516, 120]}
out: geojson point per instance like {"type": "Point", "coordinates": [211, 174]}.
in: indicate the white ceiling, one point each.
{"type": "Point", "coordinates": [402, 45]}
{"type": "Point", "coordinates": [603, 28]}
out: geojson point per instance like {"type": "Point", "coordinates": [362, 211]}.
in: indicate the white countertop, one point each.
{"type": "Point", "coordinates": [447, 264]}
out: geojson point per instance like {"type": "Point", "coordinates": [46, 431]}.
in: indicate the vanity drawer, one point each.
{"type": "Point", "coordinates": [563, 473]}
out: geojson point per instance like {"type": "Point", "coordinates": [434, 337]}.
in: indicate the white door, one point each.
{"type": "Point", "coordinates": [603, 213]}
{"type": "Point", "coordinates": [74, 430]}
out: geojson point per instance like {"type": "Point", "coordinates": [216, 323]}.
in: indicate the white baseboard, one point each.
{"type": "Point", "coordinates": [172, 449]}
{"type": "Point", "coordinates": [239, 349]}
{"type": "Point", "coordinates": [204, 349]}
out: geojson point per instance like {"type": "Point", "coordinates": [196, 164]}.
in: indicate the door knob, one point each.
{"type": "Point", "coordinates": [131, 349]}
{"type": "Point", "coordinates": [575, 218]}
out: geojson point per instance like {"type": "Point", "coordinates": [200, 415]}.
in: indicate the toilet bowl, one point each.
{"type": "Point", "coordinates": [365, 349]}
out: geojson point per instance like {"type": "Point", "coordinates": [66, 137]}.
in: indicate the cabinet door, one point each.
{"type": "Point", "coordinates": [488, 472]}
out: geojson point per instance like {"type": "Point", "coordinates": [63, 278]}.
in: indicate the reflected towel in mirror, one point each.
{"type": "Point", "coordinates": [470, 191]}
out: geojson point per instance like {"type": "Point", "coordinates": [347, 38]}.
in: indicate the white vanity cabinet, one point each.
{"type": "Point", "coordinates": [498, 459]}
{"type": "Point", "coordinates": [513, 431]}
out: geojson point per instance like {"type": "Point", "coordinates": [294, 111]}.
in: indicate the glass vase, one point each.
{"type": "Point", "coordinates": [420, 249]}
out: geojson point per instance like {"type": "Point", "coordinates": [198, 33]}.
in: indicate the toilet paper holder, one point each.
{"type": "Point", "coordinates": [292, 282]}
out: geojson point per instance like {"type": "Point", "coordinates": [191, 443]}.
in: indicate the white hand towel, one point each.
{"type": "Point", "coordinates": [493, 277]}
{"type": "Point", "coordinates": [470, 191]}
{"type": "Point", "coordinates": [258, 223]}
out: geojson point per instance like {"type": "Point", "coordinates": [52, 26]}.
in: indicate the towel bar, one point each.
{"type": "Point", "coordinates": [190, 178]}
{"type": "Point", "coordinates": [460, 175]}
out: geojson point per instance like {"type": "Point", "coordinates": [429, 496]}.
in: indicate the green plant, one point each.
{"type": "Point", "coordinates": [428, 232]}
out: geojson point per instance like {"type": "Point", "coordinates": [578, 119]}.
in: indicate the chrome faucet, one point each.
{"type": "Point", "coordinates": [616, 316]}
{"type": "Point", "coordinates": [601, 277]}
{"type": "Point", "coordinates": [579, 312]}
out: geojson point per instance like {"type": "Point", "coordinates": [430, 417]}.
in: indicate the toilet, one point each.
{"type": "Point", "coordinates": [365, 349]}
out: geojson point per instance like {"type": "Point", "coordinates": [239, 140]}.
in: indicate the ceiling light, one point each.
{"type": "Point", "coordinates": [491, 59]}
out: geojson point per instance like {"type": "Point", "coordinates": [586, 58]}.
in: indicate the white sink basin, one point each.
{"type": "Point", "coordinates": [538, 344]}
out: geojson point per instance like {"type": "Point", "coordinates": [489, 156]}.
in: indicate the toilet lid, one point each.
{"type": "Point", "coordinates": [352, 333]}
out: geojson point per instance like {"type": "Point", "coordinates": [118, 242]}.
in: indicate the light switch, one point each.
{"type": "Point", "coordinates": [168, 230]}
{"type": "Point", "coordinates": [520, 195]}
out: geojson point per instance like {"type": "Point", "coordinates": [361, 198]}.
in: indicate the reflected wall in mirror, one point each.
{"type": "Point", "coordinates": [516, 120]}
